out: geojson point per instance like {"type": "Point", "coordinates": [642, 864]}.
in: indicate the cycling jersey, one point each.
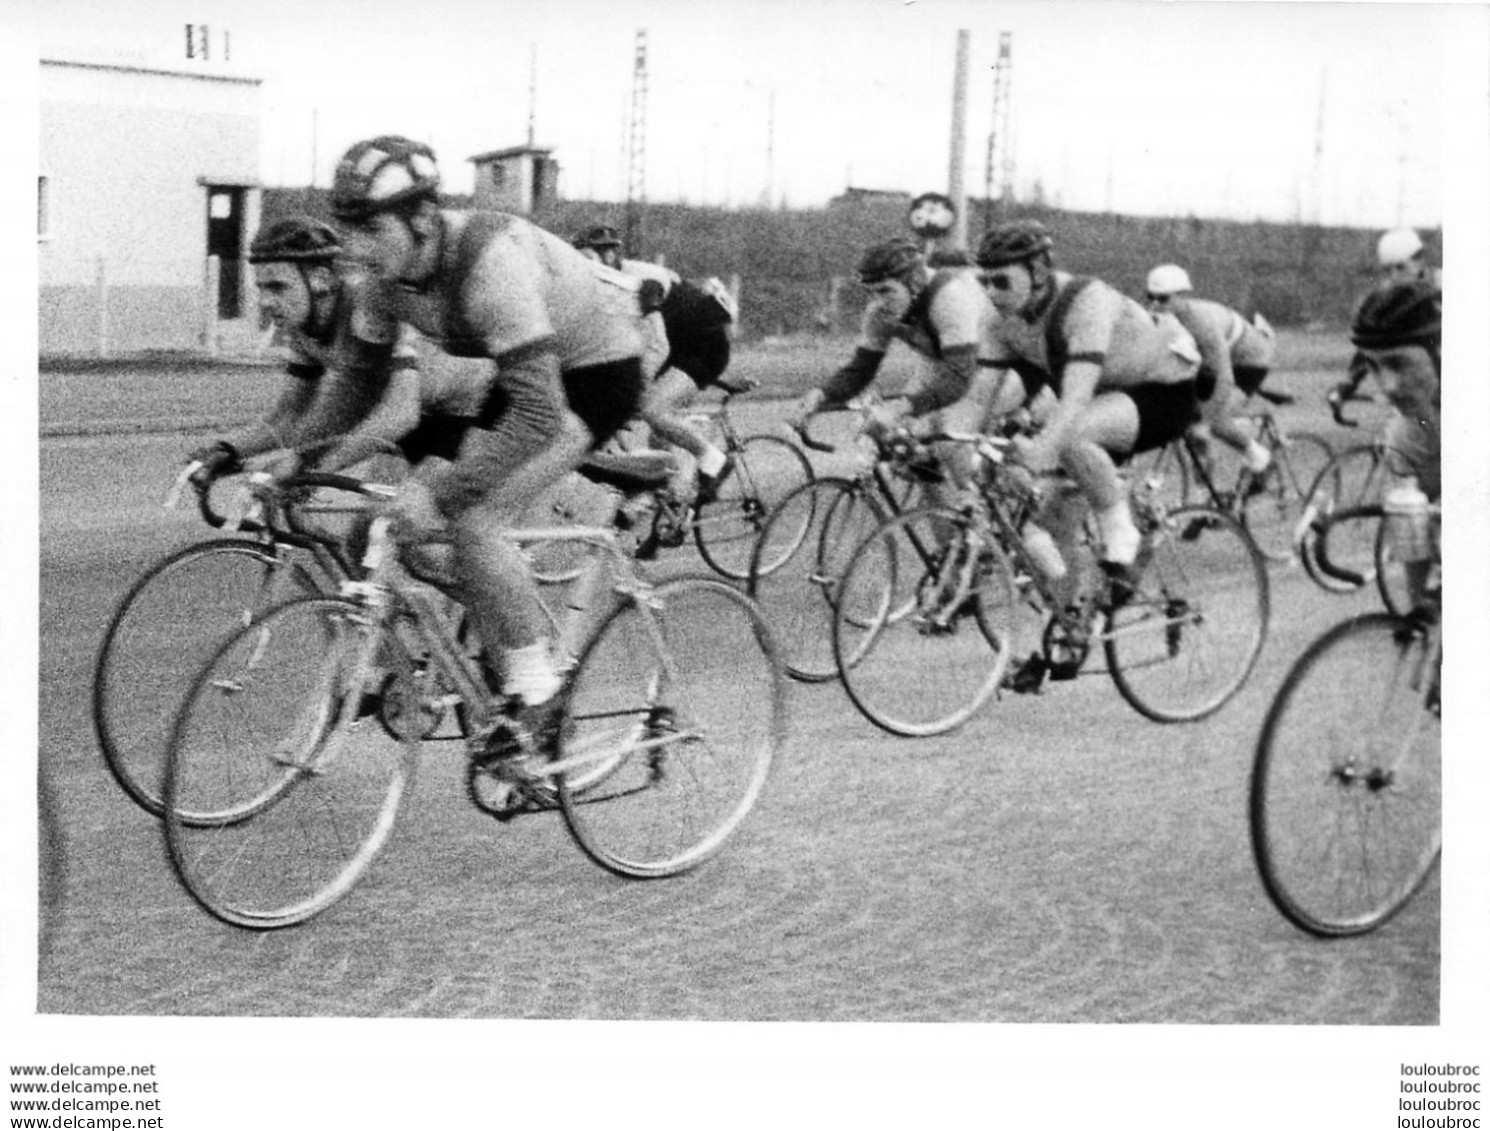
{"type": "Point", "coordinates": [507, 290]}
{"type": "Point", "coordinates": [1088, 320]}
{"type": "Point", "coordinates": [338, 346]}
{"type": "Point", "coordinates": [695, 319]}
{"type": "Point", "coordinates": [950, 316]}
{"type": "Point", "coordinates": [1228, 343]}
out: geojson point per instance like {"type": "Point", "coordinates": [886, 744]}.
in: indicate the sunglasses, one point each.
{"type": "Point", "coordinates": [998, 280]}
{"type": "Point", "coordinates": [1159, 298]}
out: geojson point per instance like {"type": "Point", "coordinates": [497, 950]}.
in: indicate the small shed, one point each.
{"type": "Point", "coordinates": [523, 180]}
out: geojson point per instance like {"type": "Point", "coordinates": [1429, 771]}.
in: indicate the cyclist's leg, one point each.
{"type": "Point", "coordinates": [668, 393]}
{"type": "Point", "coordinates": [493, 578]}
{"type": "Point", "coordinates": [1109, 426]}
{"type": "Point", "coordinates": [1220, 414]}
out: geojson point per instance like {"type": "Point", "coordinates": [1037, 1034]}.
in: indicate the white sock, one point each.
{"type": "Point", "coordinates": [711, 462]}
{"type": "Point", "coordinates": [530, 674]}
{"type": "Point", "coordinates": [1120, 537]}
{"type": "Point", "coordinates": [1258, 457]}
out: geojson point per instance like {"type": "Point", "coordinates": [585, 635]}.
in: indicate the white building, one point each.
{"type": "Point", "coordinates": [144, 174]}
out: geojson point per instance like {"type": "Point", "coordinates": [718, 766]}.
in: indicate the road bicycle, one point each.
{"type": "Point", "coordinates": [1348, 494]}
{"type": "Point", "coordinates": [1268, 505]}
{"type": "Point", "coordinates": [1346, 788]}
{"type": "Point", "coordinates": [930, 607]}
{"type": "Point", "coordinates": [805, 542]}
{"type": "Point", "coordinates": [723, 524]}
{"type": "Point", "coordinates": [280, 791]}
{"type": "Point", "coordinates": [276, 547]}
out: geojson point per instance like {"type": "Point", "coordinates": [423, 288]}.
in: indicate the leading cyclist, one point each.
{"type": "Point", "coordinates": [567, 375]}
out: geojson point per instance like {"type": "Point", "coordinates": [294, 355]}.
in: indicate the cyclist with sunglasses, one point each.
{"type": "Point", "coordinates": [567, 350]}
{"type": "Point", "coordinates": [1235, 356]}
{"type": "Point", "coordinates": [1124, 383]}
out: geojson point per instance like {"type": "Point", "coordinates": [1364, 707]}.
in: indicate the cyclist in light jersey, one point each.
{"type": "Point", "coordinates": [943, 316]}
{"type": "Point", "coordinates": [567, 374]}
{"type": "Point", "coordinates": [310, 302]}
{"type": "Point", "coordinates": [695, 320]}
{"type": "Point", "coordinates": [1125, 382]}
{"type": "Point", "coordinates": [1398, 331]}
{"type": "Point", "coordinates": [1235, 356]}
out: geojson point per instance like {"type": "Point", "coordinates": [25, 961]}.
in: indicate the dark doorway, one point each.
{"type": "Point", "coordinates": [225, 240]}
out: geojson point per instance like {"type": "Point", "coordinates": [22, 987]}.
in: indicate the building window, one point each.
{"type": "Point", "coordinates": [43, 207]}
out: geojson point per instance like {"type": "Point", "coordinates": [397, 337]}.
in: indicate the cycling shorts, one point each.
{"type": "Point", "coordinates": [1164, 412]}
{"type": "Point", "coordinates": [703, 355]}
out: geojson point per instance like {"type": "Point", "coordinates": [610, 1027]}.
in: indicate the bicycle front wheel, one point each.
{"type": "Point", "coordinates": [671, 722]}
{"type": "Point", "coordinates": [1353, 478]}
{"type": "Point", "coordinates": [925, 622]}
{"type": "Point", "coordinates": [1272, 512]}
{"type": "Point", "coordinates": [1345, 800]}
{"type": "Point", "coordinates": [1190, 635]}
{"type": "Point", "coordinates": [281, 784]}
{"type": "Point", "coordinates": [800, 590]}
{"type": "Point", "coordinates": [767, 469]}
{"type": "Point", "coordinates": [168, 624]}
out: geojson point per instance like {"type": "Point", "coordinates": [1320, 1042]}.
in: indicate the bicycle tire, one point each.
{"type": "Point", "coordinates": [1353, 478]}
{"type": "Point", "coordinates": [281, 788]}
{"type": "Point", "coordinates": [799, 594]}
{"type": "Point", "coordinates": [169, 622]}
{"type": "Point", "coordinates": [1334, 773]}
{"type": "Point", "coordinates": [727, 527]}
{"type": "Point", "coordinates": [1272, 514]}
{"type": "Point", "coordinates": [679, 700]}
{"type": "Point", "coordinates": [1190, 635]}
{"type": "Point", "coordinates": [911, 665]}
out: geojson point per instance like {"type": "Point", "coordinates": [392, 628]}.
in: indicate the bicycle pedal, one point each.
{"type": "Point", "coordinates": [1027, 677]}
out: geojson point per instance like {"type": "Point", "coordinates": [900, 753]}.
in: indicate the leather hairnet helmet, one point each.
{"type": "Point", "coordinates": [383, 174]}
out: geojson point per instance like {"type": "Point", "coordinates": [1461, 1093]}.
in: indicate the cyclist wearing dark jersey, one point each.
{"type": "Point", "coordinates": [567, 373]}
{"type": "Point", "coordinates": [695, 319]}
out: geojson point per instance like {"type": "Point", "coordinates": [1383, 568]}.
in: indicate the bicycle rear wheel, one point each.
{"type": "Point", "coordinates": [800, 591]}
{"type": "Point", "coordinates": [1353, 478]}
{"type": "Point", "coordinates": [281, 785]}
{"type": "Point", "coordinates": [671, 722]}
{"type": "Point", "coordinates": [916, 658]}
{"type": "Point", "coordinates": [727, 527]}
{"type": "Point", "coordinates": [1190, 635]}
{"type": "Point", "coordinates": [166, 627]}
{"type": "Point", "coordinates": [1345, 798]}
{"type": "Point", "coordinates": [1272, 513]}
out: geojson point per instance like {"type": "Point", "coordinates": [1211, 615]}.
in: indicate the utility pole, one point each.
{"type": "Point", "coordinates": [1000, 170]}
{"type": "Point", "coordinates": [957, 158]}
{"type": "Point", "coordinates": [532, 92]}
{"type": "Point", "coordinates": [636, 163]}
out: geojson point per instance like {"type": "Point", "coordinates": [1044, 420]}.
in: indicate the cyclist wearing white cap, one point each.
{"type": "Point", "coordinates": [1235, 355]}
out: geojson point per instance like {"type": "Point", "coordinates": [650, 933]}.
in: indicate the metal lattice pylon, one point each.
{"type": "Point", "coordinates": [636, 149]}
{"type": "Point", "coordinates": [998, 183]}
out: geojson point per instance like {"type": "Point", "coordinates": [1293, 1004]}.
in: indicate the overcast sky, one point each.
{"type": "Point", "coordinates": [1282, 111]}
